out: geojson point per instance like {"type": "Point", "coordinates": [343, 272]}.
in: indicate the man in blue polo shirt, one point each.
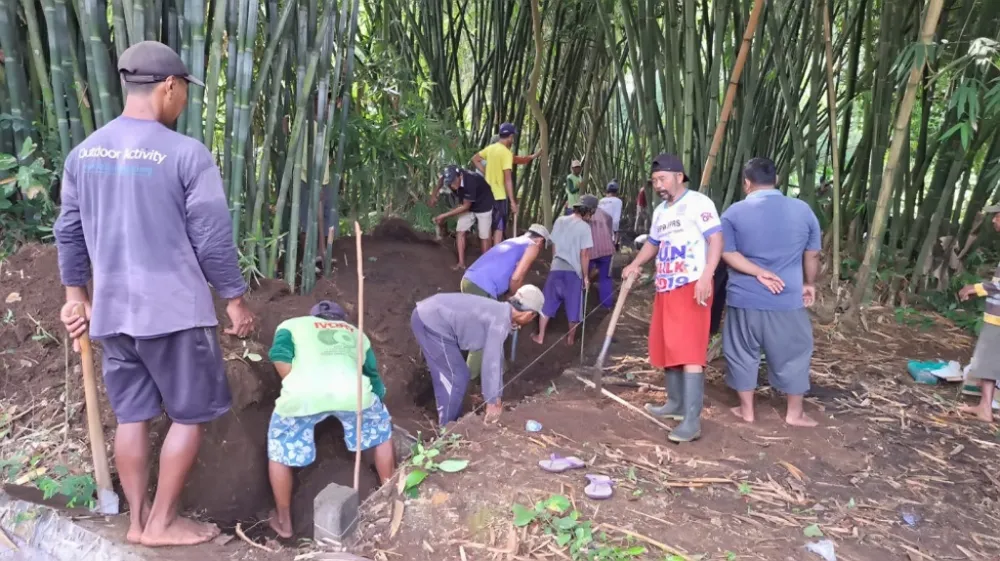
{"type": "Point", "coordinates": [772, 245]}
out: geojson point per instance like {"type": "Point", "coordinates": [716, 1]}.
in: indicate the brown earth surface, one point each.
{"type": "Point", "coordinates": [892, 472]}
{"type": "Point", "coordinates": [229, 481]}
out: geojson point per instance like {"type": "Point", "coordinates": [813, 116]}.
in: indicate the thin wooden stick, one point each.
{"type": "Point", "coordinates": [361, 353]}
{"type": "Point", "coordinates": [241, 535]}
{"type": "Point", "coordinates": [734, 80]}
{"type": "Point", "coordinates": [623, 402]}
{"type": "Point", "coordinates": [669, 549]}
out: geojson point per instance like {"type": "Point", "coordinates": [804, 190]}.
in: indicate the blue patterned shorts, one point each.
{"type": "Point", "coordinates": [291, 440]}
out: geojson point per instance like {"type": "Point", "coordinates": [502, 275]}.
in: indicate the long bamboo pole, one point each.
{"type": "Point", "coordinates": [832, 104]}
{"type": "Point", "coordinates": [727, 106]}
{"type": "Point", "coordinates": [361, 351]}
{"type": "Point", "coordinates": [895, 149]}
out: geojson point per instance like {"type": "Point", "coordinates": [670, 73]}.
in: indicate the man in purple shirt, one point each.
{"type": "Point", "coordinates": [144, 215]}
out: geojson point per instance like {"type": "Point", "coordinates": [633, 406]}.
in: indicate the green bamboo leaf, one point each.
{"type": "Point", "coordinates": [966, 133]}
{"type": "Point", "coordinates": [453, 466]}
{"type": "Point", "coordinates": [522, 515]}
{"type": "Point", "coordinates": [950, 132]}
{"type": "Point", "coordinates": [7, 162]}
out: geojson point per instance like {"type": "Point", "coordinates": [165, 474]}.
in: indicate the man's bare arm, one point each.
{"type": "Point", "coordinates": [810, 266]}
{"type": "Point", "coordinates": [523, 266]}
{"type": "Point", "coordinates": [477, 161]}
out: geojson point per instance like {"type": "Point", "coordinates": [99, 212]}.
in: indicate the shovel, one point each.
{"type": "Point", "coordinates": [107, 499]}
{"type": "Point", "coordinates": [597, 371]}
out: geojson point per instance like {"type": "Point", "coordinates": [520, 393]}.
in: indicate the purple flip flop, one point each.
{"type": "Point", "coordinates": [600, 487]}
{"type": "Point", "coordinates": [558, 464]}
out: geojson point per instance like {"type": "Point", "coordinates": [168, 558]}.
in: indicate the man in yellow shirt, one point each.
{"type": "Point", "coordinates": [496, 163]}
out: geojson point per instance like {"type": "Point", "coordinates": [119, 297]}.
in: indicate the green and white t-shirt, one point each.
{"type": "Point", "coordinates": [324, 359]}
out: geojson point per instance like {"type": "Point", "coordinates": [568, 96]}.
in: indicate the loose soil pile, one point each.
{"type": "Point", "coordinates": [229, 481]}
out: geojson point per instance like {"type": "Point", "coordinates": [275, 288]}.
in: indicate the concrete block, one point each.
{"type": "Point", "coordinates": [335, 513]}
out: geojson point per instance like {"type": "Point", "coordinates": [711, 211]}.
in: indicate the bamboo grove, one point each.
{"type": "Point", "coordinates": [881, 114]}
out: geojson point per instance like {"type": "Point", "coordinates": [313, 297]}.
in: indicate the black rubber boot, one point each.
{"type": "Point", "coordinates": [694, 398]}
{"type": "Point", "coordinates": [674, 407]}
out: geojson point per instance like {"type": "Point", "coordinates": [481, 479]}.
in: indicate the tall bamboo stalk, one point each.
{"type": "Point", "coordinates": [58, 78]}
{"type": "Point", "coordinates": [727, 106]}
{"type": "Point", "coordinates": [536, 111]}
{"type": "Point", "coordinates": [870, 262]}
{"type": "Point", "coordinates": [834, 152]}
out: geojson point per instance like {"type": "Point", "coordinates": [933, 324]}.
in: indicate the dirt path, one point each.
{"type": "Point", "coordinates": [891, 473]}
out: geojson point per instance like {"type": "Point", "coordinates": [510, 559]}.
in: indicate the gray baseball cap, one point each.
{"type": "Point", "coordinates": [150, 62]}
{"type": "Point", "coordinates": [528, 298]}
{"type": "Point", "coordinates": [992, 208]}
{"type": "Point", "coordinates": [588, 202]}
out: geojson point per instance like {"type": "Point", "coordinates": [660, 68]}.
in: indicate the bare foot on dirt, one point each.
{"type": "Point", "coordinates": [458, 267]}
{"type": "Point", "coordinates": [136, 525]}
{"type": "Point", "coordinates": [985, 416]}
{"type": "Point", "coordinates": [537, 337]}
{"type": "Point", "coordinates": [801, 420]}
{"type": "Point", "coordinates": [738, 411]}
{"type": "Point", "coordinates": [282, 527]}
{"type": "Point", "coordinates": [571, 340]}
{"type": "Point", "coordinates": [182, 531]}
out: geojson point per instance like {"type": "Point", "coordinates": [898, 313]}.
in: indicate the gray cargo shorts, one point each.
{"type": "Point", "coordinates": [182, 373]}
{"type": "Point", "coordinates": [986, 357]}
{"type": "Point", "coordinates": [786, 338]}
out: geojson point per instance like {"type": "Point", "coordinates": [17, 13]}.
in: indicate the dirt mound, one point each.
{"type": "Point", "coordinates": [399, 230]}
{"type": "Point", "coordinates": [229, 481]}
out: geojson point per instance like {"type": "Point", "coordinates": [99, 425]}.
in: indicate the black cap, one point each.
{"type": "Point", "coordinates": [450, 173]}
{"type": "Point", "coordinates": [668, 162]}
{"type": "Point", "coordinates": [587, 202]}
{"type": "Point", "coordinates": [150, 62]}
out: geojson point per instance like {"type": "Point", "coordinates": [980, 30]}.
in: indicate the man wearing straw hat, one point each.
{"type": "Point", "coordinates": [448, 323]}
{"type": "Point", "coordinates": [144, 215]}
{"type": "Point", "coordinates": [573, 181]}
{"type": "Point", "coordinates": [317, 359]}
{"type": "Point", "coordinates": [985, 366]}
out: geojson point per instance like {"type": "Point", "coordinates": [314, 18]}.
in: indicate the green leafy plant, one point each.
{"type": "Point", "coordinates": [556, 517]}
{"type": "Point", "coordinates": [26, 208]}
{"type": "Point", "coordinates": [79, 489]}
{"type": "Point", "coordinates": [425, 462]}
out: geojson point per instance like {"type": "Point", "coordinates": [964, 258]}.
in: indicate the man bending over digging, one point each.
{"type": "Point", "coordinates": [144, 215]}
{"type": "Point", "coordinates": [447, 324]}
{"type": "Point", "coordinates": [316, 357]}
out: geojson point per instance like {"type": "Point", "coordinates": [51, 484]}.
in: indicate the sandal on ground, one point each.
{"type": "Point", "coordinates": [558, 464]}
{"type": "Point", "coordinates": [600, 487]}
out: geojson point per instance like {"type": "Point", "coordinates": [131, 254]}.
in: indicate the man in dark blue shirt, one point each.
{"type": "Point", "coordinates": [475, 206]}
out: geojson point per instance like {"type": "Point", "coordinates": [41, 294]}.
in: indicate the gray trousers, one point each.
{"type": "Point", "coordinates": [986, 357]}
{"type": "Point", "coordinates": [786, 338]}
